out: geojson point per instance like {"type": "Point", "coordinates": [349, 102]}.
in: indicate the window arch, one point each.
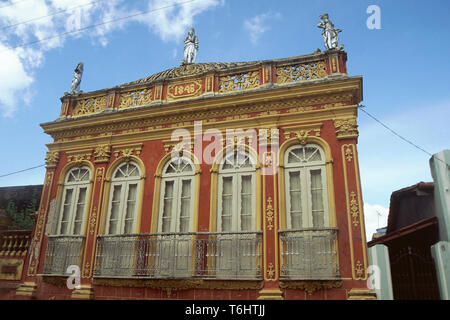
{"type": "Point", "coordinates": [306, 187]}
{"type": "Point", "coordinates": [237, 193]}
{"type": "Point", "coordinates": [123, 200]}
{"type": "Point", "coordinates": [177, 196]}
{"type": "Point", "coordinates": [74, 196]}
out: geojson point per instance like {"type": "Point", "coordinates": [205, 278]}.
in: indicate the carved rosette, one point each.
{"type": "Point", "coordinates": [52, 159]}
{"type": "Point", "coordinates": [346, 128]}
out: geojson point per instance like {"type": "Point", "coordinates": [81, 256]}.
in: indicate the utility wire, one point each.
{"type": "Point", "coordinates": [99, 24]}
{"type": "Point", "coordinates": [361, 107]}
{"type": "Point", "coordinates": [49, 15]}
{"type": "Point", "coordinates": [10, 174]}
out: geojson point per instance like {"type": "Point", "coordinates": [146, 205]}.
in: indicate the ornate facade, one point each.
{"type": "Point", "coordinates": [144, 216]}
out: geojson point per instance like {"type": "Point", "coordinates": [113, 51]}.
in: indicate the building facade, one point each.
{"type": "Point", "coordinates": [206, 181]}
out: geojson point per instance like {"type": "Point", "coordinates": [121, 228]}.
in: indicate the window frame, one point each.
{"type": "Point", "coordinates": [124, 183]}
{"type": "Point", "coordinates": [305, 170]}
{"type": "Point", "coordinates": [237, 174]}
{"type": "Point", "coordinates": [76, 186]}
{"type": "Point", "coordinates": [177, 178]}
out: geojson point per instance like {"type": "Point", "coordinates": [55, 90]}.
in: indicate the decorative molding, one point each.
{"type": "Point", "coordinates": [58, 281]}
{"type": "Point", "coordinates": [298, 105]}
{"type": "Point", "coordinates": [310, 286]}
{"type": "Point", "coordinates": [269, 214]}
{"type": "Point", "coordinates": [184, 90]}
{"type": "Point", "coordinates": [183, 284]}
{"type": "Point", "coordinates": [240, 81]}
{"type": "Point", "coordinates": [93, 221]}
{"type": "Point", "coordinates": [346, 128]}
{"type": "Point", "coordinates": [354, 209]}
{"type": "Point", "coordinates": [348, 153]}
{"type": "Point", "coordinates": [102, 153]}
{"type": "Point", "coordinates": [52, 159]}
{"type": "Point", "coordinates": [128, 150]}
{"type": "Point", "coordinates": [87, 270]}
{"type": "Point", "coordinates": [89, 105]}
{"type": "Point", "coordinates": [78, 156]}
{"type": "Point", "coordinates": [301, 72]}
{"type": "Point", "coordinates": [270, 272]}
{"type": "Point", "coordinates": [362, 294]}
{"type": "Point", "coordinates": [302, 132]}
{"type": "Point", "coordinates": [99, 174]}
{"type": "Point", "coordinates": [135, 98]}
{"type": "Point", "coordinates": [359, 269]}
{"type": "Point", "coordinates": [170, 145]}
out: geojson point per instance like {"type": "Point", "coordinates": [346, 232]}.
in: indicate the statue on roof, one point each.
{"type": "Point", "coordinates": [77, 78]}
{"type": "Point", "coordinates": [190, 47]}
{"type": "Point", "coordinates": [329, 33]}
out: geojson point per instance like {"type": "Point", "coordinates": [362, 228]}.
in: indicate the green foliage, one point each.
{"type": "Point", "coordinates": [21, 219]}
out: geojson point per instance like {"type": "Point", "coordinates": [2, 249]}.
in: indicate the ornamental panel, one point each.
{"type": "Point", "coordinates": [239, 82]}
{"type": "Point", "coordinates": [301, 72]}
{"type": "Point", "coordinates": [89, 106]}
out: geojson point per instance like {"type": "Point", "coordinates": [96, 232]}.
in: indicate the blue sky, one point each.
{"type": "Point", "coordinates": [405, 66]}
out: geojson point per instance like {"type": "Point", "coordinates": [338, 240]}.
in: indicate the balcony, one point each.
{"type": "Point", "coordinates": [208, 255]}
{"type": "Point", "coordinates": [62, 252]}
{"type": "Point", "coordinates": [309, 254]}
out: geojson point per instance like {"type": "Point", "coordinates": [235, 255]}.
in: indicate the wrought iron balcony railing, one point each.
{"type": "Point", "coordinates": [208, 255]}
{"type": "Point", "coordinates": [62, 252]}
{"type": "Point", "coordinates": [308, 254]}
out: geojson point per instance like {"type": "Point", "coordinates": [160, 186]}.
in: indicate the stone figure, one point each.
{"type": "Point", "coordinates": [190, 47]}
{"type": "Point", "coordinates": [329, 33]}
{"type": "Point", "coordinates": [77, 78]}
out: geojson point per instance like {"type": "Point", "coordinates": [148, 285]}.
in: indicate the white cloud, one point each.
{"type": "Point", "coordinates": [168, 21]}
{"type": "Point", "coordinates": [258, 25]}
{"type": "Point", "coordinates": [375, 217]}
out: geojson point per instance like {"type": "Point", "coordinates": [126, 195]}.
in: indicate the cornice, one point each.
{"type": "Point", "coordinates": [214, 106]}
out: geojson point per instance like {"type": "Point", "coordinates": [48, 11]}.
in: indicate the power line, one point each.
{"type": "Point", "coordinates": [99, 24]}
{"type": "Point", "coordinates": [28, 169]}
{"type": "Point", "coordinates": [49, 15]}
{"type": "Point", "coordinates": [13, 4]}
{"type": "Point", "coordinates": [398, 135]}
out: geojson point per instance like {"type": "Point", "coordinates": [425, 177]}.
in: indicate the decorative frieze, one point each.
{"type": "Point", "coordinates": [239, 82]}
{"type": "Point", "coordinates": [302, 132]}
{"type": "Point", "coordinates": [301, 72]}
{"type": "Point", "coordinates": [78, 156]}
{"type": "Point", "coordinates": [135, 98]}
{"type": "Point", "coordinates": [89, 106]}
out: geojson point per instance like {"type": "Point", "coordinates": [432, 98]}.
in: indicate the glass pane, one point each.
{"type": "Point", "coordinates": [84, 175]}
{"type": "Point", "coordinates": [185, 205]}
{"type": "Point", "coordinates": [167, 206]}
{"type": "Point", "coordinates": [294, 156]}
{"type": "Point", "coordinates": [227, 203]}
{"type": "Point", "coordinates": [132, 170]}
{"type": "Point", "coordinates": [66, 211]}
{"type": "Point", "coordinates": [246, 203]}
{"type": "Point", "coordinates": [295, 199]}
{"type": "Point", "coordinates": [317, 198]}
{"type": "Point", "coordinates": [80, 211]}
{"type": "Point", "coordinates": [119, 173]}
{"type": "Point", "coordinates": [115, 207]}
{"type": "Point", "coordinates": [131, 206]}
{"type": "Point", "coordinates": [315, 155]}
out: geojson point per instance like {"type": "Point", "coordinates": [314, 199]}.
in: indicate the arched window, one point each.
{"type": "Point", "coordinates": [75, 194]}
{"type": "Point", "coordinates": [306, 187]}
{"type": "Point", "coordinates": [237, 190]}
{"type": "Point", "coordinates": [177, 196]}
{"type": "Point", "coordinates": [122, 210]}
